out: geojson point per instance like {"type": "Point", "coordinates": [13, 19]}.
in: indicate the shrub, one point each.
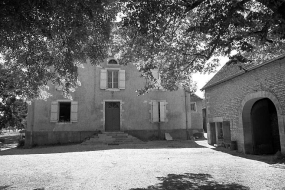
{"type": "Point", "coordinates": [21, 142]}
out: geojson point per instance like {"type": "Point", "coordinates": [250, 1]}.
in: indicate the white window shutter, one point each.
{"type": "Point", "coordinates": [155, 111]}
{"type": "Point", "coordinates": [54, 112]}
{"type": "Point", "coordinates": [122, 79]}
{"type": "Point", "coordinates": [162, 111]}
{"type": "Point", "coordinates": [74, 111]}
{"type": "Point", "coordinates": [103, 79]}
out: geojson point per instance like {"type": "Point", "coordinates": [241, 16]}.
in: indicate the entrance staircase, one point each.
{"type": "Point", "coordinates": [112, 138]}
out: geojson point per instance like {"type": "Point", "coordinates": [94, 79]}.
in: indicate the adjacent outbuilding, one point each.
{"type": "Point", "coordinates": [245, 105]}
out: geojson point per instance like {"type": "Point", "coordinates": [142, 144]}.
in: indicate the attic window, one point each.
{"type": "Point", "coordinates": [112, 62]}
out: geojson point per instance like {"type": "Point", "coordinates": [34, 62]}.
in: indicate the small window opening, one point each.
{"type": "Point", "coordinates": [64, 111]}
{"type": "Point", "coordinates": [193, 107]}
{"type": "Point", "coordinates": [113, 62]}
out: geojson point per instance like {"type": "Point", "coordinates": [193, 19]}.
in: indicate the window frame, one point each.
{"type": "Point", "coordinates": [73, 106]}
{"type": "Point", "coordinates": [59, 111]}
{"type": "Point", "coordinates": [112, 82]}
{"type": "Point", "coordinates": [112, 59]}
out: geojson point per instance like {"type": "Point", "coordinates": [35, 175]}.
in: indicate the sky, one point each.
{"type": "Point", "coordinates": [202, 79]}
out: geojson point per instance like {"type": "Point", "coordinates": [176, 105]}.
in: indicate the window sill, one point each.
{"type": "Point", "coordinates": [113, 89]}
{"type": "Point", "coordinates": [63, 123]}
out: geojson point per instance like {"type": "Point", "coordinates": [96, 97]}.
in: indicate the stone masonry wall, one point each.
{"type": "Point", "coordinates": [225, 100]}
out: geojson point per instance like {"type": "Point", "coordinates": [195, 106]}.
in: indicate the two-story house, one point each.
{"type": "Point", "coordinates": [107, 101]}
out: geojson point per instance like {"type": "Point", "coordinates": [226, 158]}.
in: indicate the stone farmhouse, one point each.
{"type": "Point", "coordinates": [246, 105]}
{"type": "Point", "coordinates": [107, 102]}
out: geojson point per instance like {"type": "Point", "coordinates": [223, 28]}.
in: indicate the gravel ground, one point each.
{"type": "Point", "coordinates": [153, 166]}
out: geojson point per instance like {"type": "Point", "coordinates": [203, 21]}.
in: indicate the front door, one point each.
{"type": "Point", "coordinates": [112, 116]}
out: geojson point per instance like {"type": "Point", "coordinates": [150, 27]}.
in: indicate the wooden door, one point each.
{"type": "Point", "coordinates": [112, 116]}
{"type": "Point", "coordinates": [213, 139]}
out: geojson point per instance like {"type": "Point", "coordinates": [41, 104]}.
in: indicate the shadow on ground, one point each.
{"type": "Point", "coordinates": [191, 181]}
{"type": "Point", "coordinates": [269, 159]}
{"type": "Point", "coordinates": [83, 148]}
{"type": "Point", "coordinates": [4, 187]}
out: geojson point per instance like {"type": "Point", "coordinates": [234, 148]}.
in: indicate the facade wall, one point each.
{"type": "Point", "coordinates": [226, 101]}
{"type": "Point", "coordinates": [197, 117]}
{"type": "Point", "coordinates": [135, 110]}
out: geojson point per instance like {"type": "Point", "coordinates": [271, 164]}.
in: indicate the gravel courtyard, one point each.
{"type": "Point", "coordinates": [155, 165]}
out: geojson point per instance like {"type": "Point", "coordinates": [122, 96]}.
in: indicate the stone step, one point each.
{"type": "Point", "coordinates": [113, 132]}
{"type": "Point", "coordinates": [112, 138]}
{"type": "Point", "coordinates": [116, 135]}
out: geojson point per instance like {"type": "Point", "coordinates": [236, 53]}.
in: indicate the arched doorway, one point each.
{"type": "Point", "coordinates": [265, 128]}
{"type": "Point", "coordinates": [260, 124]}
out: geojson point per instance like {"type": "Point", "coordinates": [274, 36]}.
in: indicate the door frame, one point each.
{"type": "Point", "coordinates": [104, 114]}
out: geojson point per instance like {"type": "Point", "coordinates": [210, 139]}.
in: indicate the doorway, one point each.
{"type": "Point", "coordinates": [213, 139]}
{"type": "Point", "coordinates": [112, 116]}
{"type": "Point", "coordinates": [265, 130]}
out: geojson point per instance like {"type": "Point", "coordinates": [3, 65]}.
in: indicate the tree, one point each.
{"type": "Point", "coordinates": [181, 36]}
{"type": "Point", "coordinates": [46, 40]}
{"type": "Point", "coordinates": [13, 113]}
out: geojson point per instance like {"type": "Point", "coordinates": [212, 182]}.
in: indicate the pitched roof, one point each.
{"type": "Point", "coordinates": [195, 98]}
{"type": "Point", "coordinates": [228, 72]}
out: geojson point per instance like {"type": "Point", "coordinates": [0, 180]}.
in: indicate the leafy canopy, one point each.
{"type": "Point", "coordinates": [180, 36]}
{"type": "Point", "coordinates": [44, 40]}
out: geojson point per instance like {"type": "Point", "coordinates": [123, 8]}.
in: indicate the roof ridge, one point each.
{"type": "Point", "coordinates": [215, 79]}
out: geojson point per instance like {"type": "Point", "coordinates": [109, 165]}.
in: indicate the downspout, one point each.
{"type": "Point", "coordinates": [33, 122]}
{"type": "Point", "coordinates": [186, 114]}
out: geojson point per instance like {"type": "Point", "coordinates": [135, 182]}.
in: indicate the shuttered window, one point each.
{"type": "Point", "coordinates": [112, 79]}
{"type": "Point", "coordinates": [64, 111]}
{"type": "Point", "coordinates": [158, 111]}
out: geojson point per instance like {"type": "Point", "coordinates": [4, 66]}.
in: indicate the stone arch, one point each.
{"type": "Point", "coordinates": [245, 116]}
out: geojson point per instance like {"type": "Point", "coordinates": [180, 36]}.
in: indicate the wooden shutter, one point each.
{"type": "Point", "coordinates": [122, 79]}
{"type": "Point", "coordinates": [103, 79]}
{"type": "Point", "coordinates": [74, 109]}
{"type": "Point", "coordinates": [155, 111]}
{"type": "Point", "coordinates": [54, 112]}
{"type": "Point", "coordinates": [227, 131]}
{"type": "Point", "coordinates": [162, 111]}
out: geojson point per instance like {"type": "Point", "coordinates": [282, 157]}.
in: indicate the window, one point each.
{"type": "Point", "coordinates": [113, 78]}
{"type": "Point", "coordinates": [193, 106]}
{"type": "Point", "coordinates": [64, 111]}
{"type": "Point", "coordinates": [112, 62]}
{"type": "Point", "coordinates": [158, 111]}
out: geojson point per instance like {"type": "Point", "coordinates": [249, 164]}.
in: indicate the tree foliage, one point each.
{"type": "Point", "coordinates": [13, 112]}
{"type": "Point", "coordinates": [180, 36]}
{"type": "Point", "coordinates": [45, 40]}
